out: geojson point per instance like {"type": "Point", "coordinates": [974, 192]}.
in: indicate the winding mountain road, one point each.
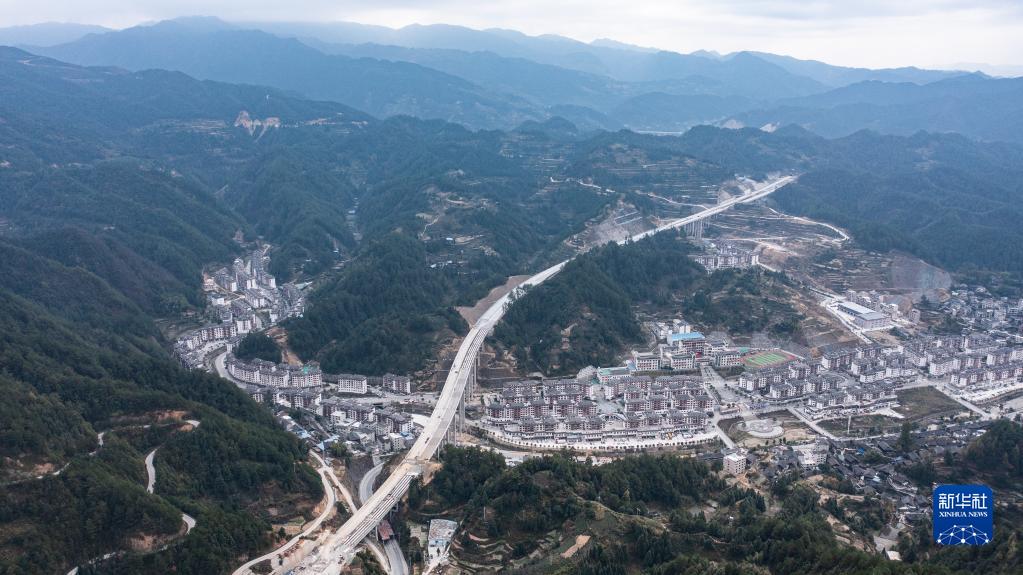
{"type": "Point", "coordinates": [187, 519]}
{"type": "Point", "coordinates": [151, 478]}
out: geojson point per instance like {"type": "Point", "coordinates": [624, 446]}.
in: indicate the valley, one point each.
{"type": "Point", "coordinates": [542, 305]}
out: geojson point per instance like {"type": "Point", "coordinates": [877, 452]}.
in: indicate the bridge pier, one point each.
{"type": "Point", "coordinates": [695, 229]}
{"type": "Point", "coordinates": [470, 386]}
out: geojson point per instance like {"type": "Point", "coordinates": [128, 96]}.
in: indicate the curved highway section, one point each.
{"type": "Point", "coordinates": [341, 545]}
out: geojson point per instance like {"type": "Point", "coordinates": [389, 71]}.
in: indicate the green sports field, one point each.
{"type": "Point", "coordinates": [764, 359]}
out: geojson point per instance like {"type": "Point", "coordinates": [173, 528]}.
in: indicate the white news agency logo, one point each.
{"type": "Point", "coordinates": [952, 501]}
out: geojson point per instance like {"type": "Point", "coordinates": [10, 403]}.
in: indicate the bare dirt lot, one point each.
{"type": "Point", "coordinates": [471, 314]}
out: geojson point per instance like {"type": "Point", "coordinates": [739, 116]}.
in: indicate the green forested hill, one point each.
{"type": "Point", "coordinates": [146, 232]}
{"type": "Point", "coordinates": [948, 200]}
{"type": "Point", "coordinates": [77, 358]}
{"type": "Point", "coordinates": [595, 296]}
{"type": "Point", "coordinates": [378, 313]}
{"type": "Point", "coordinates": [155, 157]}
{"type": "Point", "coordinates": [667, 514]}
{"type": "Point", "coordinates": [110, 210]}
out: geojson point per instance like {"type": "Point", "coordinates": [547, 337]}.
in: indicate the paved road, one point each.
{"type": "Point", "coordinates": [382, 557]}
{"type": "Point", "coordinates": [220, 364]}
{"type": "Point", "coordinates": [151, 478]}
{"type": "Point", "coordinates": [811, 424]}
{"type": "Point", "coordinates": [948, 392]}
{"type": "Point", "coordinates": [348, 536]}
{"type": "Point", "coordinates": [151, 469]}
{"type": "Point", "coordinates": [366, 484]}
{"type": "Point", "coordinates": [395, 558]}
{"type": "Point", "coordinates": [715, 380]}
{"type": "Point", "coordinates": [273, 556]}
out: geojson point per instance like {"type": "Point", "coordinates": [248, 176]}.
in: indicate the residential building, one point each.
{"type": "Point", "coordinates": [397, 383]}
{"type": "Point", "coordinates": [734, 463]}
{"type": "Point", "coordinates": [349, 383]}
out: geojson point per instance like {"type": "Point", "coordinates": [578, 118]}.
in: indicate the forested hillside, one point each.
{"type": "Point", "coordinates": [950, 201]}
{"type": "Point", "coordinates": [666, 514]}
{"type": "Point", "coordinates": [1001, 449]}
{"type": "Point", "coordinates": [592, 304]}
{"type": "Point", "coordinates": [479, 204]}
{"type": "Point", "coordinates": [110, 210]}
{"type": "Point", "coordinates": [78, 358]}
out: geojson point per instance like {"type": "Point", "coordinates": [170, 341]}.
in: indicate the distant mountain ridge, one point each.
{"type": "Point", "coordinates": [381, 88]}
{"type": "Point", "coordinates": [616, 59]}
{"type": "Point", "coordinates": [975, 105]}
{"type": "Point", "coordinates": [47, 33]}
{"type": "Point", "coordinates": [498, 79]}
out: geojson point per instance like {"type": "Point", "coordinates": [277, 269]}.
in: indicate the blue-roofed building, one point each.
{"type": "Point", "coordinates": [692, 342]}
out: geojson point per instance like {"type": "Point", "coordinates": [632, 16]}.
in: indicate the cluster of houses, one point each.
{"type": "Point", "coordinates": [726, 255]}
{"type": "Point", "coordinates": [341, 412]}
{"type": "Point", "coordinates": [970, 362]}
{"type": "Point", "coordinates": [871, 363]}
{"type": "Point", "coordinates": [245, 274]}
{"type": "Point", "coordinates": [269, 374]}
{"type": "Point", "coordinates": [241, 298]}
{"type": "Point", "coordinates": [844, 380]}
{"type": "Point", "coordinates": [306, 387]}
{"type": "Point", "coordinates": [266, 373]}
{"type": "Point", "coordinates": [372, 428]}
{"type": "Point", "coordinates": [290, 397]}
{"type": "Point", "coordinates": [873, 468]}
{"type": "Point", "coordinates": [246, 291]}
{"type": "Point", "coordinates": [854, 399]}
{"type": "Point", "coordinates": [852, 379]}
{"type": "Point", "coordinates": [594, 410]}
{"type": "Point", "coordinates": [976, 308]}
{"type": "Point", "coordinates": [803, 457]}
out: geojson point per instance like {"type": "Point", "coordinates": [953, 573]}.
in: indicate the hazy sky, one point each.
{"type": "Point", "coordinates": [853, 32]}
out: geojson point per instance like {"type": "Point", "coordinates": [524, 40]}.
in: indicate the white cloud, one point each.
{"type": "Point", "coordinates": [866, 32]}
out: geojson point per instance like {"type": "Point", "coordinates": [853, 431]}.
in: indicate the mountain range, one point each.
{"type": "Point", "coordinates": [497, 79]}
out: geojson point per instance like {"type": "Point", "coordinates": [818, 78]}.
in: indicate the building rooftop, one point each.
{"type": "Point", "coordinates": [442, 528]}
{"type": "Point", "coordinates": [859, 309]}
